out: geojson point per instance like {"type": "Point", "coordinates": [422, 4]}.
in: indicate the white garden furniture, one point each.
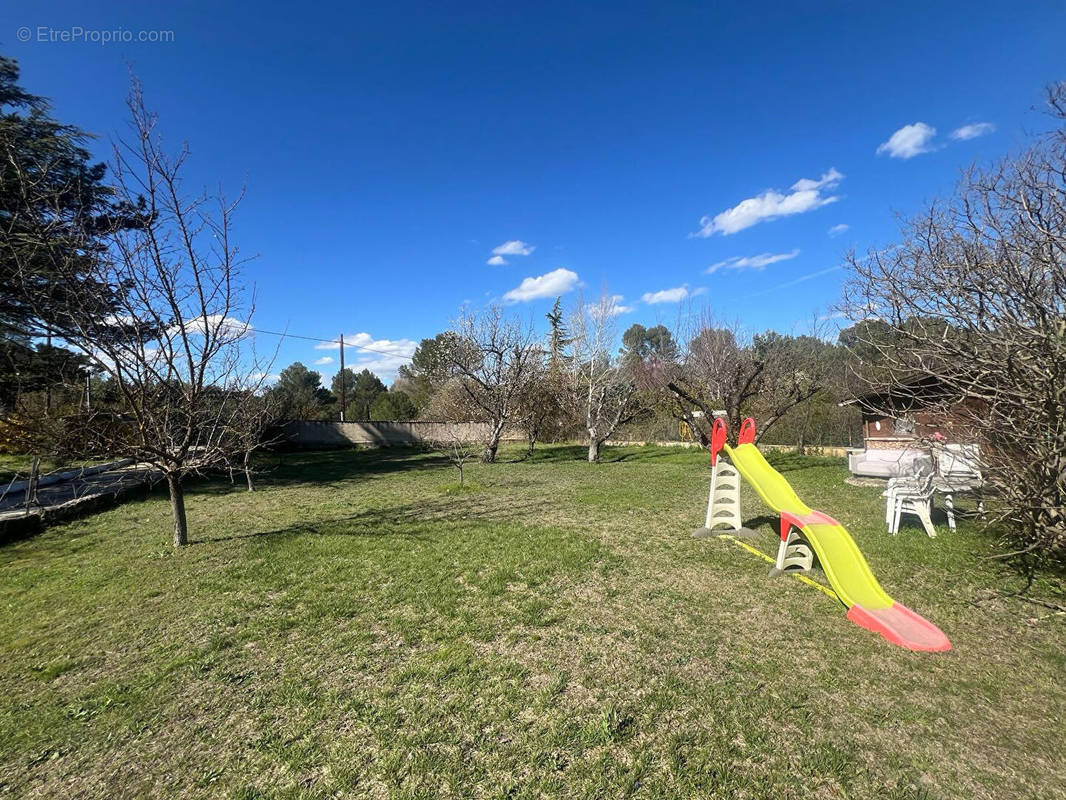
{"type": "Point", "coordinates": [913, 495]}
{"type": "Point", "coordinates": [956, 470]}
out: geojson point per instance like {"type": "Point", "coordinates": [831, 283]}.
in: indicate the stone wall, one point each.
{"type": "Point", "coordinates": [314, 434]}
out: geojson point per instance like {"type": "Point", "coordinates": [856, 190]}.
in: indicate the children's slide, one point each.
{"type": "Point", "coordinates": [839, 556]}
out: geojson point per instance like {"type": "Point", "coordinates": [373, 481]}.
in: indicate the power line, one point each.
{"type": "Point", "coordinates": [329, 341]}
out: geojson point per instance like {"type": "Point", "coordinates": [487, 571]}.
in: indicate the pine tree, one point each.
{"type": "Point", "coordinates": [558, 338]}
{"type": "Point", "coordinates": [55, 209]}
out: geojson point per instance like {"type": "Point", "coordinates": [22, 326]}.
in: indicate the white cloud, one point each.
{"type": "Point", "coordinates": [666, 295]}
{"type": "Point", "coordinates": [551, 284]}
{"type": "Point", "coordinates": [804, 195]}
{"type": "Point", "coordinates": [512, 247]}
{"type": "Point", "coordinates": [972, 131]}
{"type": "Point", "coordinates": [215, 323]}
{"type": "Point", "coordinates": [829, 180]}
{"type": "Point", "coordinates": [752, 262]}
{"type": "Point", "coordinates": [381, 356]}
{"type": "Point", "coordinates": [836, 230]}
{"type": "Point", "coordinates": [321, 362]}
{"type": "Point", "coordinates": [515, 247]}
{"type": "Point", "coordinates": [909, 141]}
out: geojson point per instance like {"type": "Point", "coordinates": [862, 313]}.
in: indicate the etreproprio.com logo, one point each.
{"type": "Point", "coordinates": [76, 34]}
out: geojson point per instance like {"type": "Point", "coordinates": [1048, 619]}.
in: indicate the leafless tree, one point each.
{"type": "Point", "coordinates": [170, 325]}
{"type": "Point", "coordinates": [722, 369]}
{"type": "Point", "coordinates": [973, 298]}
{"type": "Point", "coordinates": [546, 403]}
{"type": "Point", "coordinates": [252, 427]}
{"type": "Point", "coordinates": [459, 450]}
{"type": "Point", "coordinates": [535, 404]}
{"type": "Point", "coordinates": [451, 407]}
{"type": "Point", "coordinates": [604, 387]}
{"type": "Point", "coordinates": [493, 363]}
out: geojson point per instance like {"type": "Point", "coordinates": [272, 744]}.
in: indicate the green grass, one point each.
{"type": "Point", "coordinates": [360, 627]}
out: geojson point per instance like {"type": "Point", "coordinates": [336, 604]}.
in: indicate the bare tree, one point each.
{"type": "Point", "coordinates": [458, 449]}
{"type": "Point", "coordinates": [451, 407]}
{"type": "Point", "coordinates": [604, 387]}
{"type": "Point", "coordinates": [170, 327]}
{"type": "Point", "coordinates": [250, 429]}
{"type": "Point", "coordinates": [493, 361]}
{"type": "Point", "coordinates": [546, 403]}
{"type": "Point", "coordinates": [972, 299]}
{"type": "Point", "coordinates": [721, 369]}
{"type": "Point", "coordinates": [535, 404]}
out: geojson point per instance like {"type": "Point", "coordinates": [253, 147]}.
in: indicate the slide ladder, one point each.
{"type": "Point", "coordinates": [843, 563]}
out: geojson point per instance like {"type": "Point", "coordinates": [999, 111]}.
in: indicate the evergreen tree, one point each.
{"type": "Point", "coordinates": [558, 337]}
{"type": "Point", "coordinates": [640, 344]}
{"type": "Point", "coordinates": [360, 391]}
{"type": "Point", "coordinates": [430, 368]}
{"type": "Point", "coordinates": [300, 395]}
{"type": "Point", "coordinates": [343, 386]}
{"type": "Point", "coordinates": [393, 405]}
{"type": "Point", "coordinates": [54, 211]}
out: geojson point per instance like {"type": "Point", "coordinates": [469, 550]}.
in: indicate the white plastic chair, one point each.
{"type": "Point", "coordinates": [911, 495]}
{"type": "Point", "coordinates": [912, 482]}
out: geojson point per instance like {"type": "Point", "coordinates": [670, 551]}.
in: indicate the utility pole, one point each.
{"type": "Point", "coordinates": [344, 398]}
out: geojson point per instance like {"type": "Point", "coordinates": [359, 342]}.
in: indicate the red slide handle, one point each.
{"type": "Point", "coordinates": [747, 432]}
{"type": "Point", "coordinates": [718, 436]}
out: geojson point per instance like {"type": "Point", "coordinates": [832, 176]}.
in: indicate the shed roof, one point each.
{"type": "Point", "coordinates": [919, 392]}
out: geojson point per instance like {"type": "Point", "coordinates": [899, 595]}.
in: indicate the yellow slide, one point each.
{"type": "Point", "coordinates": [839, 556]}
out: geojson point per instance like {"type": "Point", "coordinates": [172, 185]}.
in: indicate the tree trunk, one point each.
{"type": "Point", "coordinates": [493, 444]}
{"type": "Point", "coordinates": [532, 443]}
{"type": "Point", "coordinates": [177, 507]}
{"type": "Point", "coordinates": [248, 469]}
{"type": "Point", "coordinates": [594, 450]}
{"type": "Point", "coordinates": [460, 466]}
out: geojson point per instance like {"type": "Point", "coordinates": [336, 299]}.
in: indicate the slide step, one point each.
{"type": "Point", "coordinates": [900, 626]}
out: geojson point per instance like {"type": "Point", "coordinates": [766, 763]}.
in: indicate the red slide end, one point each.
{"type": "Point", "coordinates": [900, 626]}
{"type": "Point", "coordinates": [747, 432]}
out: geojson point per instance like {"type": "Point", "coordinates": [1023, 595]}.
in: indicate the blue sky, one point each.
{"type": "Point", "coordinates": [388, 150]}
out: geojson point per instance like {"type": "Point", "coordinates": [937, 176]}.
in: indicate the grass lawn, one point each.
{"type": "Point", "coordinates": [359, 628]}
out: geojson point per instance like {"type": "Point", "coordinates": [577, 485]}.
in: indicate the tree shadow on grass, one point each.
{"type": "Point", "coordinates": [557, 454]}
{"type": "Point", "coordinates": [329, 466]}
{"type": "Point", "coordinates": [785, 461]}
{"type": "Point", "coordinates": [322, 466]}
{"type": "Point", "coordinates": [417, 520]}
{"type": "Point", "coordinates": [679, 455]}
